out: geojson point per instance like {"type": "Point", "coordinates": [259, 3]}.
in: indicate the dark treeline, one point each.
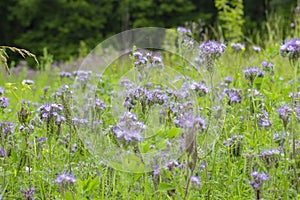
{"type": "Point", "coordinates": [62, 25]}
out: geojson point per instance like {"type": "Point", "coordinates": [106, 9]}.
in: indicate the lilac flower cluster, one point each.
{"type": "Point", "coordinates": [253, 73]}
{"type": "Point", "coordinates": [183, 30]}
{"type": "Point", "coordinates": [237, 47]}
{"type": "Point", "coordinates": [228, 79]}
{"type": "Point", "coordinates": [65, 178]}
{"type": "Point", "coordinates": [258, 180]}
{"type": "Point", "coordinates": [28, 193]}
{"type": "Point", "coordinates": [82, 76]}
{"type": "Point", "coordinates": [291, 48]}
{"type": "Point", "coordinates": [129, 128]}
{"type": "Point", "coordinates": [234, 95]}
{"type": "Point", "coordinates": [270, 156]}
{"type": "Point", "coordinates": [3, 102]}
{"type": "Point", "coordinates": [7, 128]}
{"type": "Point", "coordinates": [173, 164]}
{"type": "Point", "coordinates": [144, 58]}
{"type": "Point", "coordinates": [263, 119]}
{"type": "Point", "coordinates": [285, 113]}
{"type": "Point", "coordinates": [267, 66]}
{"type": "Point", "coordinates": [200, 88]}
{"type": "Point", "coordinates": [195, 180]}
{"type": "Point", "coordinates": [50, 112]}
{"type": "Point", "coordinates": [212, 49]}
{"type": "Point", "coordinates": [2, 153]}
{"type": "Point", "coordinates": [189, 121]}
{"type": "Point", "coordinates": [209, 52]}
{"type": "Point", "coordinates": [233, 140]}
{"type": "Point", "coordinates": [64, 74]}
{"type": "Point", "coordinates": [145, 97]}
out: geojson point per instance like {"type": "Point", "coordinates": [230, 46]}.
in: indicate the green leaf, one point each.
{"type": "Point", "coordinates": [165, 186]}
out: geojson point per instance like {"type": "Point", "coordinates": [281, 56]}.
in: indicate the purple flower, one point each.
{"type": "Point", "coordinates": [270, 156]}
{"type": "Point", "coordinates": [149, 59]}
{"type": "Point", "coordinates": [258, 179]}
{"type": "Point", "coordinates": [233, 140]}
{"type": "Point", "coordinates": [1, 91]}
{"type": "Point", "coordinates": [189, 121]}
{"type": "Point", "coordinates": [3, 102]}
{"type": "Point", "coordinates": [100, 105]}
{"type": "Point", "coordinates": [195, 180]}
{"type": "Point", "coordinates": [173, 164]}
{"type": "Point", "coordinates": [252, 73]}
{"type": "Point", "coordinates": [284, 114]}
{"type": "Point", "coordinates": [228, 79]}
{"type": "Point", "coordinates": [183, 30]}
{"type": "Point", "coordinates": [263, 119]}
{"type": "Point", "coordinates": [65, 178]}
{"type": "Point", "coordinates": [268, 67]}
{"type": "Point", "coordinates": [234, 95]}
{"type": "Point", "coordinates": [65, 74]}
{"type": "Point", "coordinates": [199, 88]}
{"type": "Point", "coordinates": [290, 48]}
{"type": "Point", "coordinates": [28, 193]}
{"type": "Point", "coordinates": [212, 48]}
{"type": "Point", "coordinates": [7, 128]}
{"type": "Point", "coordinates": [128, 128]}
{"type": "Point", "coordinates": [2, 153]}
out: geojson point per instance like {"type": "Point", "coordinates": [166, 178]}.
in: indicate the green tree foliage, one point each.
{"type": "Point", "coordinates": [230, 13]}
{"type": "Point", "coordinates": [59, 25]}
{"type": "Point", "coordinates": [65, 26]}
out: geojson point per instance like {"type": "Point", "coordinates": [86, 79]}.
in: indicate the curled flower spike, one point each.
{"type": "Point", "coordinates": [253, 73]}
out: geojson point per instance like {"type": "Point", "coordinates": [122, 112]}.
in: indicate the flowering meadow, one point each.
{"type": "Point", "coordinates": [230, 134]}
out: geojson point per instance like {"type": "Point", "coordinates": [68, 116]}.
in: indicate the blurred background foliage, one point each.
{"type": "Point", "coordinates": [68, 28]}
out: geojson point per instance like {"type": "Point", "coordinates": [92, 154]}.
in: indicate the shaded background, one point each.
{"type": "Point", "coordinates": [71, 28]}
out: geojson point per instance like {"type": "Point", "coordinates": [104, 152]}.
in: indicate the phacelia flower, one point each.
{"type": "Point", "coordinates": [291, 48]}
{"type": "Point", "coordinates": [2, 153]}
{"type": "Point", "coordinates": [7, 128]}
{"type": "Point", "coordinates": [228, 79]}
{"type": "Point", "coordinates": [258, 179]}
{"type": "Point", "coordinates": [28, 193]}
{"type": "Point", "coordinates": [129, 128]}
{"type": "Point", "coordinates": [199, 88]}
{"type": "Point", "coordinates": [267, 66]}
{"type": "Point", "coordinates": [234, 95]}
{"type": "Point", "coordinates": [65, 74]}
{"type": "Point", "coordinates": [285, 113]}
{"type": "Point", "coordinates": [270, 156]}
{"type": "Point", "coordinates": [253, 73]}
{"type": "Point", "coordinates": [3, 102]}
{"type": "Point", "coordinates": [65, 178]}
{"type": "Point", "coordinates": [263, 119]}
